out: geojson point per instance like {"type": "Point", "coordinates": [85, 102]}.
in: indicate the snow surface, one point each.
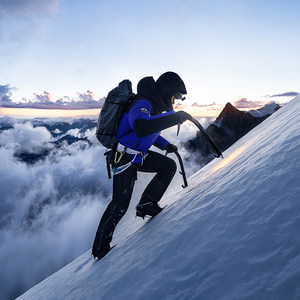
{"type": "Point", "coordinates": [233, 233]}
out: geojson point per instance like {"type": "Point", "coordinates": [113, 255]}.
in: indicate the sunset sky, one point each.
{"type": "Point", "coordinates": [71, 53]}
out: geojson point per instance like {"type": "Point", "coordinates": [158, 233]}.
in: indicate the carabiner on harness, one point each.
{"type": "Point", "coordinates": [118, 156]}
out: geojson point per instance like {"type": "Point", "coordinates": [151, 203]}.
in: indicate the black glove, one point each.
{"type": "Point", "coordinates": [183, 116]}
{"type": "Point", "coordinates": [171, 148]}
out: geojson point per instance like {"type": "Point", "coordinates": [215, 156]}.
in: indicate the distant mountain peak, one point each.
{"type": "Point", "coordinates": [229, 106]}
{"type": "Point", "coordinates": [229, 127]}
{"type": "Point", "coordinates": [268, 109]}
{"type": "Point", "coordinates": [228, 111]}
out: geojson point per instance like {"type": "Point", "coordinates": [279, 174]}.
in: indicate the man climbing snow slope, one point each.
{"type": "Point", "coordinates": [150, 112]}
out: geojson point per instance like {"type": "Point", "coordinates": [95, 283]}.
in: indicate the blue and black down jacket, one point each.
{"type": "Point", "coordinates": [126, 135]}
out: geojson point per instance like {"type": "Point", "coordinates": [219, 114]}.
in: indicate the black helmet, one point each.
{"type": "Point", "coordinates": [170, 84]}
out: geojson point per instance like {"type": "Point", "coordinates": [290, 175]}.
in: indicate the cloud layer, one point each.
{"type": "Point", "coordinates": [245, 103]}
{"type": "Point", "coordinates": [29, 7]}
{"type": "Point", "coordinates": [24, 137]}
{"type": "Point", "coordinates": [287, 94]}
{"type": "Point", "coordinates": [43, 101]}
{"type": "Point", "coordinates": [41, 205]}
{"type": "Point", "coordinates": [5, 93]}
{"type": "Point", "coordinates": [51, 209]}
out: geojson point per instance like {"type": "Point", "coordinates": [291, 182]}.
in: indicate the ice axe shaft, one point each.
{"type": "Point", "coordinates": [209, 139]}
{"type": "Point", "coordinates": [182, 172]}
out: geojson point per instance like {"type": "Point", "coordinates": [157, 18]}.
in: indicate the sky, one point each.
{"type": "Point", "coordinates": [65, 52]}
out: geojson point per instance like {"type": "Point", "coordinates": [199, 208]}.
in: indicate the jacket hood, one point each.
{"type": "Point", "coordinates": [148, 89]}
{"type": "Point", "coordinates": [169, 84]}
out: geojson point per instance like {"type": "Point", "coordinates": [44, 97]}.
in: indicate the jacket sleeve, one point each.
{"type": "Point", "coordinates": [144, 124]}
{"type": "Point", "coordinates": [161, 142]}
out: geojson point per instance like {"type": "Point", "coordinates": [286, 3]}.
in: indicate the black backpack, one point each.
{"type": "Point", "coordinates": [112, 112]}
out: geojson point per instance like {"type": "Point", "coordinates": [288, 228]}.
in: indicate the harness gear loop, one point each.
{"type": "Point", "coordinates": [107, 153]}
{"type": "Point", "coordinates": [120, 150]}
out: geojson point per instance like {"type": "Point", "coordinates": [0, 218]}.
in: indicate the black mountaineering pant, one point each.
{"type": "Point", "coordinates": [123, 184]}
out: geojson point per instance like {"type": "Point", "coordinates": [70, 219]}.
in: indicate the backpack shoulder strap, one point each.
{"type": "Point", "coordinates": [131, 102]}
{"type": "Point", "coordinates": [134, 99]}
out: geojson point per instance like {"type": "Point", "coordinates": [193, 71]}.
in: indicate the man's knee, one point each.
{"type": "Point", "coordinates": [120, 207]}
{"type": "Point", "coordinates": [171, 166]}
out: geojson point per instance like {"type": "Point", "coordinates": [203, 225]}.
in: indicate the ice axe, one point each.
{"type": "Point", "coordinates": [209, 139]}
{"type": "Point", "coordinates": [182, 172]}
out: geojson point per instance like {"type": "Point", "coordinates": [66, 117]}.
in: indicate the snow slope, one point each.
{"type": "Point", "coordinates": [232, 234]}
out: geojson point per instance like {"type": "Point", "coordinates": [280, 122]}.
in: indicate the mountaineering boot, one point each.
{"type": "Point", "coordinates": [101, 252]}
{"type": "Point", "coordinates": [101, 245]}
{"type": "Point", "coordinates": [147, 207]}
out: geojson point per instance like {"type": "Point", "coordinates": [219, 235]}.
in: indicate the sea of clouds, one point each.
{"type": "Point", "coordinates": [50, 210]}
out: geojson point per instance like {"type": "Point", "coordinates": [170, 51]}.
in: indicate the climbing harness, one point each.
{"type": "Point", "coordinates": [119, 153]}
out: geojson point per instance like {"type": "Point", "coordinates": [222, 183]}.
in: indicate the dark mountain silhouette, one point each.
{"type": "Point", "coordinates": [230, 126]}
{"type": "Point", "coordinates": [32, 158]}
{"type": "Point", "coordinates": [63, 127]}
{"type": "Point", "coordinates": [59, 131]}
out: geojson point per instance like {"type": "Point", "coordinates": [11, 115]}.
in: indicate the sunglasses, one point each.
{"type": "Point", "coordinates": [179, 96]}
